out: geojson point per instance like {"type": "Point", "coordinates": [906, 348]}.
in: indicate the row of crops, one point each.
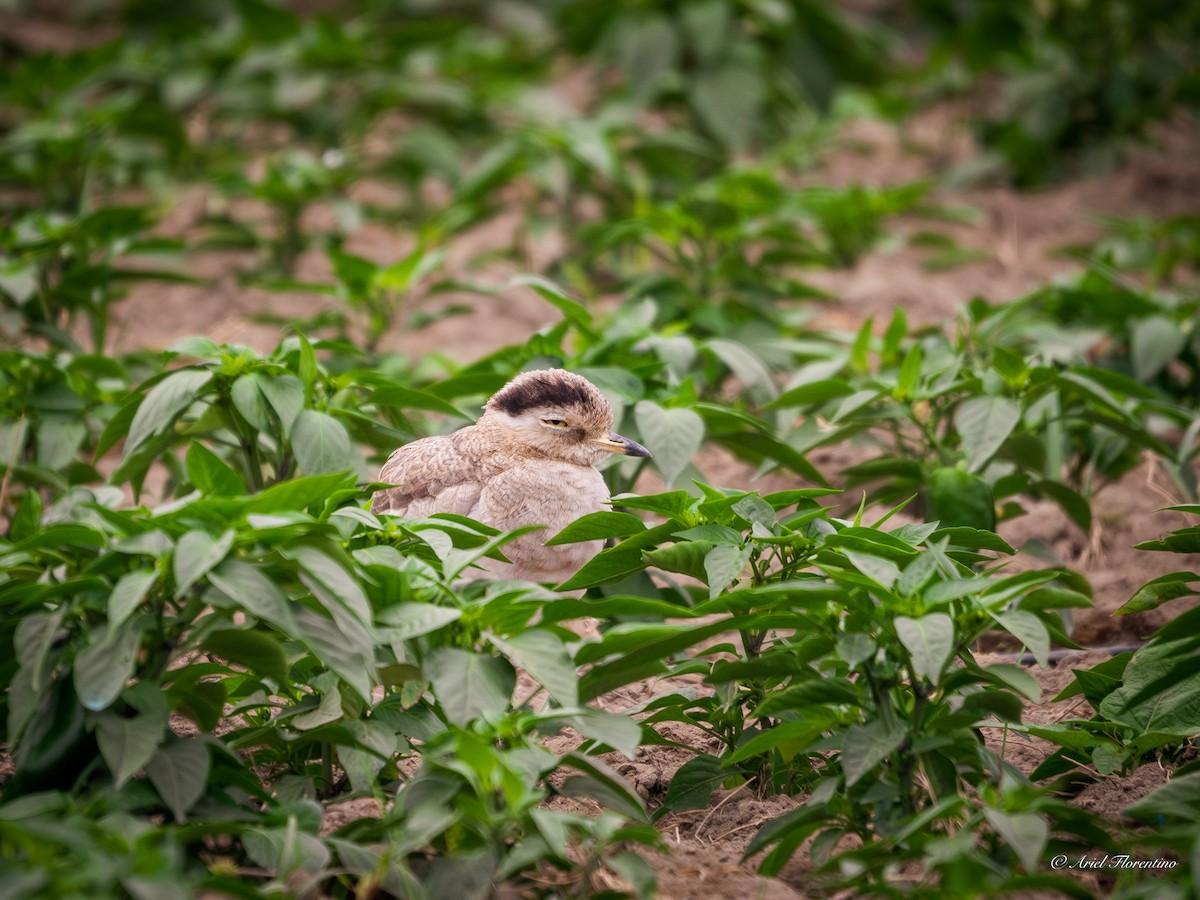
{"type": "Point", "coordinates": [212, 639]}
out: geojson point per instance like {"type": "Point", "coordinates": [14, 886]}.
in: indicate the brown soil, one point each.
{"type": "Point", "coordinates": [1022, 233]}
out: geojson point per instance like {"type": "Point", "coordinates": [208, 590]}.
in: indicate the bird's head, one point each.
{"type": "Point", "coordinates": [559, 414]}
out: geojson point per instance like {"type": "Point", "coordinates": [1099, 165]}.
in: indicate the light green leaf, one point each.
{"type": "Point", "coordinates": [321, 443]}
{"type": "Point", "coordinates": [672, 435]}
{"type": "Point", "coordinates": [543, 655]}
{"type": "Point", "coordinates": [253, 591]}
{"type": "Point", "coordinates": [598, 526]}
{"type": "Point", "coordinates": [34, 636]}
{"type": "Point", "coordinates": [58, 439]}
{"type": "Point", "coordinates": [880, 570]}
{"type": "Point", "coordinates": [103, 667]}
{"type": "Point", "coordinates": [285, 396]}
{"type": "Point", "coordinates": [179, 772]}
{"type": "Point", "coordinates": [615, 729]}
{"type": "Point", "coordinates": [405, 621]}
{"type": "Point", "coordinates": [350, 655]}
{"type": "Point", "coordinates": [728, 100]}
{"type": "Point", "coordinates": [258, 651]}
{"type": "Point", "coordinates": [723, 565]}
{"type": "Point", "coordinates": [329, 705]}
{"type": "Point", "coordinates": [984, 424]}
{"type": "Point", "coordinates": [694, 782]}
{"type": "Point", "coordinates": [209, 474]}
{"type": "Point", "coordinates": [1025, 832]}
{"type": "Point", "coordinates": [747, 366]}
{"type": "Point", "coordinates": [1153, 343]}
{"type": "Point", "coordinates": [127, 595]}
{"type": "Point", "coordinates": [469, 685]}
{"type": "Point", "coordinates": [1016, 678]}
{"type": "Point", "coordinates": [910, 374]}
{"type": "Point", "coordinates": [162, 406]}
{"type": "Point", "coordinates": [364, 763]}
{"type": "Point", "coordinates": [929, 640]}
{"type": "Point", "coordinates": [1029, 630]}
{"type": "Point", "coordinates": [127, 743]}
{"type": "Point", "coordinates": [196, 553]}
{"type": "Point", "coordinates": [865, 746]}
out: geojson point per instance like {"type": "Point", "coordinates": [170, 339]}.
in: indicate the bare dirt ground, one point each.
{"type": "Point", "coordinates": [1022, 234]}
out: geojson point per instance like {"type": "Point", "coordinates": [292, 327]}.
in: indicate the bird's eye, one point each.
{"type": "Point", "coordinates": [556, 423]}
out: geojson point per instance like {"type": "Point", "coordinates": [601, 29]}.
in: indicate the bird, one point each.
{"type": "Point", "coordinates": [530, 459]}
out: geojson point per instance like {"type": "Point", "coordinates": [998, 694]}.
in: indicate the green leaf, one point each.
{"type": "Point", "coordinates": [746, 365]}
{"type": "Point", "coordinates": [543, 655]}
{"type": "Point", "coordinates": [929, 641]}
{"type": "Point", "coordinates": [1154, 593]}
{"type": "Point", "coordinates": [723, 565]}
{"type": "Point", "coordinates": [672, 435]}
{"type": "Point", "coordinates": [1016, 678]}
{"type": "Point", "coordinates": [1153, 343]}
{"type": "Point", "coordinates": [984, 424]}
{"type": "Point", "coordinates": [329, 708]}
{"type": "Point", "coordinates": [957, 498]}
{"type": "Point", "coordinates": [284, 395]}
{"type": "Point", "coordinates": [306, 365]}
{"type": "Point", "coordinates": [103, 667]}
{"type": "Point", "coordinates": [376, 743]}
{"type": "Point", "coordinates": [351, 654]}
{"type": "Point", "coordinates": [128, 743]}
{"type": "Point", "coordinates": [320, 443]}
{"type": "Point", "coordinates": [598, 526]}
{"type": "Point", "coordinates": [603, 784]}
{"type": "Point", "coordinates": [1029, 630]}
{"type": "Point", "coordinates": [1160, 690]}
{"type": "Point", "coordinates": [1073, 504]}
{"type": "Point", "coordinates": [127, 595]}
{"type": "Point", "coordinates": [866, 746]}
{"type": "Point", "coordinates": [615, 729]}
{"type": "Point", "coordinates": [35, 634]}
{"type": "Point", "coordinates": [1026, 833]}
{"type": "Point", "coordinates": [468, 685]}
{"type": "Point", "coordinates": [299, 493]}
{"type": "Point", "coordinates": [686, 557]}
{"type": "Point", "coordinates": [253, 591]}
{"type": "Point", "coordinates": [405, 621]}
{"type": "Point", "coordinates": [882, 571]}
{"type": "Point", "coordinates": [619, 561]}
{"type": "Point", "coordinates": [813, 392]}
{"type": "Point", "coordinates": [693, 783]}
{"type": "Point", "coordinates": [729, 100]}
{"type": "Point", "coordinates": [712, 534]}
{"type": "Point", "coordinates": [574, 311]}
{"type": "Point", "coordinates": [910, 374]}
{"type": "Point", "coordinates": [257, 651]}
{"type": "Point", "coordinates": [195, 554]}
{"type": "Point", "coordinates": [162, 406]}
{"type": "Point", "coordinates": [179, 772]}
{"type": "Point", "coordinates": [209, 474]}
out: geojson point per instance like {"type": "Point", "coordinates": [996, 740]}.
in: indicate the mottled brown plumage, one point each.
{"type": "Point", "coordinates": [529, 460]}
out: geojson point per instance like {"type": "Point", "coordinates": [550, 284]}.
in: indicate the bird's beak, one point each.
{"type": "Point", "coordinates": [622, 445]}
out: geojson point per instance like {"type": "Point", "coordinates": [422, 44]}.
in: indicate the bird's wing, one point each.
{"type": "Point", "coordinates": [543, 493]}
{"type": "Point", "coordinates": [430, 475]}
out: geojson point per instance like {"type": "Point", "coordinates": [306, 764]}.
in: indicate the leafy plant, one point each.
{"type": "Point", "coordinates": [853, 680]}
{"type": "Point", "coordinates": [270, 621]}
{"type": "Point", "coordinates": [985, 417]}
{"type": "Point", "coordinates": [60, 274]}
{"type": "Point", "coordinates": [1144, 700]}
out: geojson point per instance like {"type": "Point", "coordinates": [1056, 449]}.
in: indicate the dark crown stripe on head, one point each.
{"type": "Point", "coordinates": [551, 389]}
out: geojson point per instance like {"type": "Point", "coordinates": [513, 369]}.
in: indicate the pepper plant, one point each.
{"type": "Point", "coordinates": [853, 678]}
